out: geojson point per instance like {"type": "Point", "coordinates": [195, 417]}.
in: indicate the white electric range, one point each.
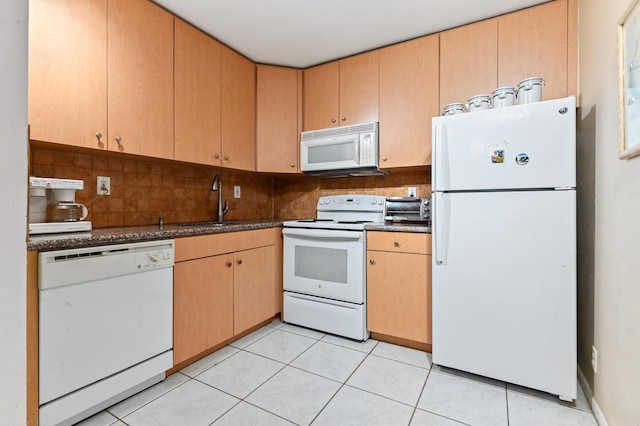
{"type": "Point", "coordinates": [324, 265]}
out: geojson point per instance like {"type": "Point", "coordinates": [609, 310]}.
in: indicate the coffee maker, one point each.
{"type": "Point", "coordinates": [53, 207]}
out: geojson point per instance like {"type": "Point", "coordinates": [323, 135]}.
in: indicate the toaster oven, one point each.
{"type": "Point", "coordinates": [407, 209]}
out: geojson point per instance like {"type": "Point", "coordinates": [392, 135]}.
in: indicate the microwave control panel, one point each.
{"type": "Point", "coordinates": [368, 152]}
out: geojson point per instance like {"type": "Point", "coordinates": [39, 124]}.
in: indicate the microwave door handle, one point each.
{"type": "Point", "coordinates": [357, 151]}
{"type": "Point", "coordinates": [322, 235]}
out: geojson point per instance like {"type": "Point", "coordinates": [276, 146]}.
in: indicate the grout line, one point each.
{"type": "Point", "coordinates": [424, 385]}
{"type": "Point", "coordinates": [506, 401]}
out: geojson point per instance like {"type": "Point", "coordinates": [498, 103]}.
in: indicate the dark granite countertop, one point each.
{"type": "Point", "coordinates": [399, 227]}
{"type": "Point", "coordinates": [132, 234]}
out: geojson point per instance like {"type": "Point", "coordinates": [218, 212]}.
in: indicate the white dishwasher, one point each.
{"type": "Point", "coordinates": [105, 326]}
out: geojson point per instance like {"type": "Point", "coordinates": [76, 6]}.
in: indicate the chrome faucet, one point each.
{"type": "Point", "coordinates": [217, 186]}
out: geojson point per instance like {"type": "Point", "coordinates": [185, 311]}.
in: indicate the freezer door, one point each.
{"type": "Point", "coordinates": [504, 287]}
{"type": "Point", "coordinates": [522, 146]}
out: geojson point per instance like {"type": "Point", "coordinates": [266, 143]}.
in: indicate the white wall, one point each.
{"type": "Point", "coordinates": [13, 190]}
{"type": "Point", "coordinates": [615, 241]}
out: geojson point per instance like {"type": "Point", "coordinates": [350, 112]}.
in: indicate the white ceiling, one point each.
{"type": "Point", "coordinates": [302, 33]}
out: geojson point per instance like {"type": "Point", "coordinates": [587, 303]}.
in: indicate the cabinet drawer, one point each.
{"type": "Point", "coordinates": [227, 242]}
{"type": "Point", "coordinates": [401, 242]}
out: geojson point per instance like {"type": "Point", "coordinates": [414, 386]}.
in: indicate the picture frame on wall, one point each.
{"type": "Point", "coordinates": [629, 80]}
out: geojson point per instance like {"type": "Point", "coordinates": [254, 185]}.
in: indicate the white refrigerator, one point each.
{"type": "Point", "coordinates": [504, 244]}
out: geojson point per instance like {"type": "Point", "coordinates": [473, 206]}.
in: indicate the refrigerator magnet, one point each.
{"type": "Point", "coordinates": [522, 159]}
{"type": "Point", "coordinates": [497, 156]}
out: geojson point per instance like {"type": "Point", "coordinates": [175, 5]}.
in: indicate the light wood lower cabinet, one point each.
{"type": "Point", "coordinates": [202, 305]}
{"type": "Point", "coordinates": [224, 284]}
{"type": "Point", "coordinates": [253, 277]}
{"type": "Point", "coordinates": [399, 285]}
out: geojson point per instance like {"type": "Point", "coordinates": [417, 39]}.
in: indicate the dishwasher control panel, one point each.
{"type": "Point", "coordinates": [155, 259]}
{"type": "Point", "coordinates": [68, 267]}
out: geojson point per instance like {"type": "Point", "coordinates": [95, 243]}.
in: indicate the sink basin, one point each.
{"type": "Point", "coordinates": [208, 224]}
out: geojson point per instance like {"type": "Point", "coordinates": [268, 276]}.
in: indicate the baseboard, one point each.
{"type": "Point", "coordinates": [595, 408]}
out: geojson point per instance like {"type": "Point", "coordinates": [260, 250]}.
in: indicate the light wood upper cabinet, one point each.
{"type": "Point", "coordinates": [277, 131]}
{"type": "Point", "coordinates": [468, 62]}
{"type": "Point", "coordinates": [534, 43]}
{"type": "Point", "coordinates": [202, 305]}
{"type": "Point", "coordinates": [197, 96]}
{"type": "Point", "coordinates": [253, 287]}
{"type": "Point", "coordinates": [322, 96]}
{"type": "Point", "coordinates": [68, 72]}
{"type": "Point", "coordinates": [399, 285]}
{"type": "Point", "coordinates": [238, 111]}
{"type": "Point", "coordinates": [342, 93]}
{"type": "Point", "coordinates": [140, 75]}
{"type": "Point", "coordinates": [408, 100]}
{"type": "Point", "coordinates": [359, 88]}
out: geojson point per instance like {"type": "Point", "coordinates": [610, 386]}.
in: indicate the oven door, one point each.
{"type": "Point", "coordinates": [325, 263]}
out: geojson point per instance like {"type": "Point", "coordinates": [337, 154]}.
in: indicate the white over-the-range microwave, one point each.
{"type": "Point", "coordinates": [341, 151]}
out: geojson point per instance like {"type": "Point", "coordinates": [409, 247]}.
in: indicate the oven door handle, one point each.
{"type": "Point", "coordinates": [322, 234]}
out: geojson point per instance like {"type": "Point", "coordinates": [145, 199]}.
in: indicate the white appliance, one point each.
{"type": "Point", "coordinates": [105, 326]}
{"type": "Point", "coordinates": [46, 194]}
{"type": "Point", "coordinates": [341, 151]}
{"type": "Point", "coordinates": [504, 244]}
{"type": "Point", "coordinates": [324, 265]}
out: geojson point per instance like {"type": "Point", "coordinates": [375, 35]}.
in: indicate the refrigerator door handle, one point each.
{"type": "Point", "coordinates": [436, 148]}
{"type": "Point", "coordinates": [438, 229]}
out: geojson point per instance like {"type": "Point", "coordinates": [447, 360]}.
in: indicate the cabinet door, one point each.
{"type": "Point", "coordinates": [140, 75]}
{"type": "Point", "coordinates": [238, 111]}
{"type": "Point", "coordinates": [359, 89]}
{"type": "Point", "coordinates": [253, 295]}
{"type": "Point", "coordinates": [202, 305]}
{"type": "Point", "coordinates": [408, 100]}
{"type": "Point", "coordinates": [277, 121]}
{"type": "Point", "coordinates": [468, 62]}
{"type": "Point", "coordinates": [322, 96]}
{"type": "Point", "coordinates": [533, 43]}
{"type": "Point", "coordinates": [398, 295]}
{"type": "Point", "coordinates": [197, 96]}
{"type": "Point", "coordinates": [68, 71]}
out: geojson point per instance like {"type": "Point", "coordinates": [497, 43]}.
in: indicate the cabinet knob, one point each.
{"type": "Point", "coordinates": [292, 164]}
{"type": "Point", "coordinates": [226, 157]}
{"type": "Point", "coordinates": [333, 120]}
{"type": "Point", "coordinates": [396, 244]}
{"type": "Point", "coordinates": [239, 261]}
{"type": "Point", "coordinates": [371, 261]}
{"type": "Point", "coordinates": [217, 156]}
{"type": "Point", "coordinates": [384, 158]}
{"type": "Point", "coordinates": [99, 135]}
{"type": "Point", "coordinates": [343, 118]}
{"type": "Point", "coordinates": [229, 264]}
{"type": "Point", "coordinates": [118, 139]}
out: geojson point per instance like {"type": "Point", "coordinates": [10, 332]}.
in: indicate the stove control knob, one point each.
{"type": "Point", "coordinates": [373, 202]}
{"type": "Point", "coordinates": [381, 202]}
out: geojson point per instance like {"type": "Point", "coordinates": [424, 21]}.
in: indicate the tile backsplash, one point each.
{"type": "Point", "coordinates": [296, 196]}
{"type": "Point", "coordinates": [143, 189]}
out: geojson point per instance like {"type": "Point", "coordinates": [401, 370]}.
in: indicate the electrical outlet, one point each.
{"type": "Point", "coordinates": [412, 191]}
{"type": "Point", "coordinates": [104, 185]}
{"type": "Point", "coordinates": [594, 359]}
{"type": "Point", "coordinates": [236, 191]}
